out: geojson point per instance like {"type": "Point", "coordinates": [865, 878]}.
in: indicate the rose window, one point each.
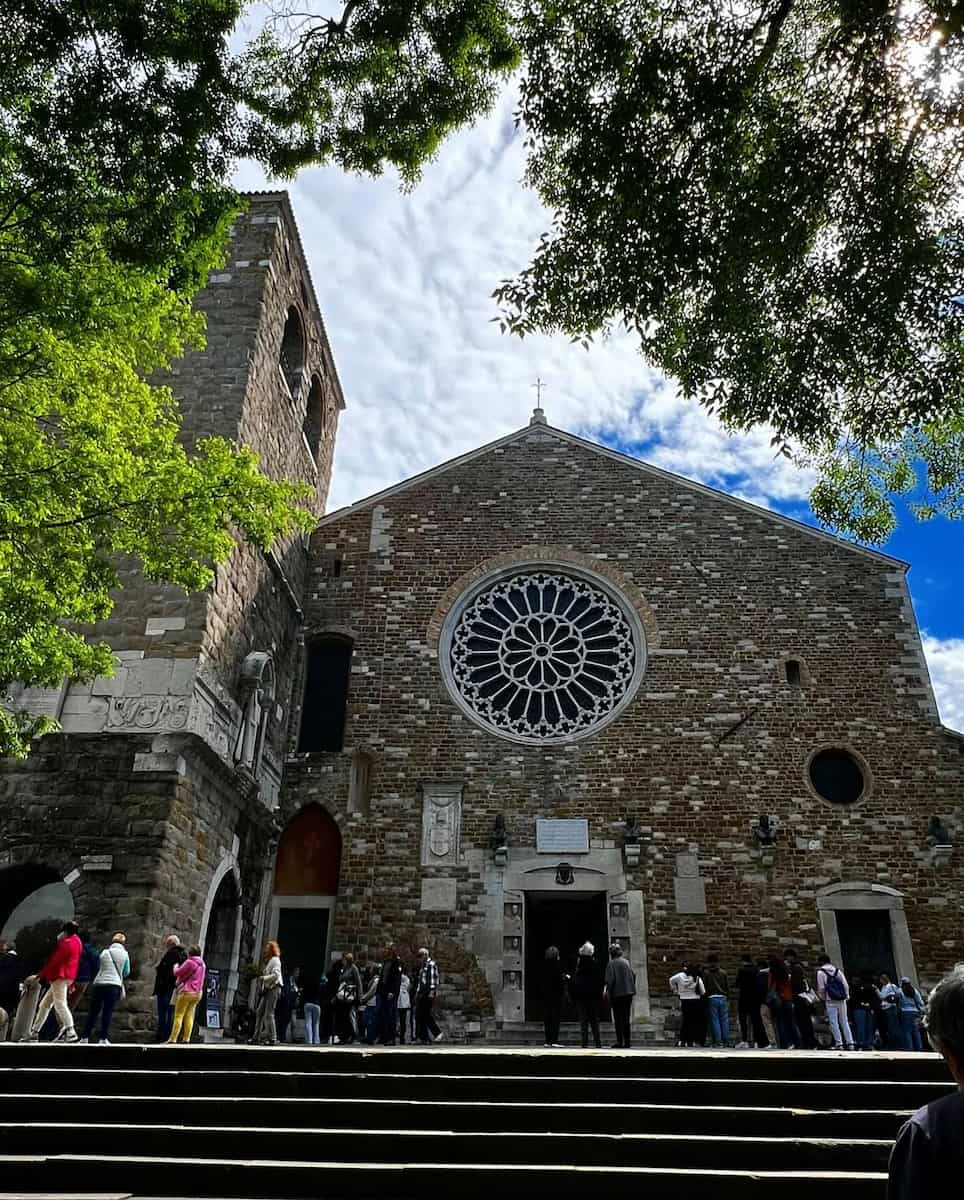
{"type": "Point", "coordinates": [543, 656]}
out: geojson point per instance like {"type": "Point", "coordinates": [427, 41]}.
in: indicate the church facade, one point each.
{"type": "Point", "coordinates": [541, 694]}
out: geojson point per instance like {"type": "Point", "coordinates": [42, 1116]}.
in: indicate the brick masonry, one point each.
{"type": "Point", "coordinates": [149, 768]}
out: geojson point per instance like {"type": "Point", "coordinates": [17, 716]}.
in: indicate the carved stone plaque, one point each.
{"type": "Point", "coordinates": [562, 836]}
{"type": "Point", "coordinates": [688, 866]}
{"type": "Point", "coordinates": [441, 823]}
{"type": "Point", "coordinates": [690, 894]}
{"type": "Point", "coordinates": [438, 895]}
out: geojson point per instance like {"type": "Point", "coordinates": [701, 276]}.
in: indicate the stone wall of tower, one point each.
{"type": "Point", "coordinates": [148, 768]}
{"type": "Point", "coordinates": [715, 737]}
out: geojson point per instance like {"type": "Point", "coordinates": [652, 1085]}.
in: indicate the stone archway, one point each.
{"type": "Point", "coordinates": [35, 900]}
{"type": "Point", "coordinates": [305, 889]}
{"type": "Point", "coordinates": [220, 934]}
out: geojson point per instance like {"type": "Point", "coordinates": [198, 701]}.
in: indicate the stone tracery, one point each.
{"type": "Point", "coordinates": [543, 655]}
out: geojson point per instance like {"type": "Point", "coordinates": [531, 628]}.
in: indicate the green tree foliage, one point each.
{"type": "Point", "coordinates": [116, 123]}
{"type": "Point", "coordinates": [383, 82]}
{"type": "Point", "coordinates": [766, 193]}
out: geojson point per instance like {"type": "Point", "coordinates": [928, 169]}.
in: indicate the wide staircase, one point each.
{"type": "Point", "coordinates": [243, 1122]}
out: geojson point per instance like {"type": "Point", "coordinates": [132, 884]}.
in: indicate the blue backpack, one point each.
{"type": "Point", "coordinates": [835, 987]}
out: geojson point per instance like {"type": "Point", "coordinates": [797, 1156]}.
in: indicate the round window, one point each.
{"type": "Point", "coordinates": [837, 776]}
{"type": "Point", "coordinates": [542, 655]}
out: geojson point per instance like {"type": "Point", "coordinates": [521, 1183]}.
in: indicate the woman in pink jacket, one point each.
{"type": "Point", "coordinates": [190, 987]}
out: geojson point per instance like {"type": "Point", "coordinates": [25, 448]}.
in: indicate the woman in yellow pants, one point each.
{"type": "Point", "coordinates": [190, 987]}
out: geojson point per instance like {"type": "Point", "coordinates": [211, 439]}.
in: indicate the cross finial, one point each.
{"type": "Point", "coordinates": [538, 416]}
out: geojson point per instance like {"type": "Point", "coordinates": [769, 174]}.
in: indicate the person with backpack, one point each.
{"type": "Point", "coordinates": [834, 991]}
{"type": "Point", "coordinates": [107, 988]}
{"type": "Point", "coordinates": [910, 1010]}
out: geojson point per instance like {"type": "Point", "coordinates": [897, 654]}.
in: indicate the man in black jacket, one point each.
{"type": "Point", "coordinates": [164, 982]}
{"type": "Point", "coordinates": [386, 997]}
{"type": "Point", "coordinates": [928, 1159]}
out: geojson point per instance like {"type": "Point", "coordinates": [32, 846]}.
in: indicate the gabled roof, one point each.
{"type": "Point", "coordinates": [626, 460]}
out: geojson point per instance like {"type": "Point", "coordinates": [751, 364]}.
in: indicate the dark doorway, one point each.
{"type": "Point", "coordinates": [565, 921]}
{"type": "Point", "coordinates": [865, 942]}
{"type": "Point", "coordinates": [302, 936]}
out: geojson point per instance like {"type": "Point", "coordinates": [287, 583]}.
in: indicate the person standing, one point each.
{"type": "Point", "coordinates": [553, 984]}
{"type": "Point", "coordinates": [620, 987]}
{"type": "Point", "coordinates": [271, 981]}
{"type": "Point", "coordinates": [369, 1004]}
{"type": "Point", "coordinates": [347, 996]}
{"type": "Point", "coordinates": [752, 1032]}
{"type": "Point", "coordinates": [86, 970]}
{"type": "Point", "coordinates": [387, 992]}
{"type": "Point", "coordinates": [718, 996]}
{"type": "Point", "coordinates": [800, 987]}
{"type": "Point", "coordinates": [865, 1002]}
{"type": "Point", "coordinates": [763, 1008]}
{"type": "Point", "coordinates": [58, 972]}
{"type": "Point", "coordinates": [689, 987]}
{"type": "Point", "coordinates": [311, 1005]}
{"type": "Point", "coordinates": [834, 991]}
{"type": "Point", "coordinates": [780, 1001]}
{"type": "Point", "coordinates": [189, 984]}
{"type": "Point", "coordinates": [910, 1010]}
{"type": "Point", "coordinates": [404, 1006]}
{"type": "Point", "coordinates": [164, 984]}
{"type": "Point", "coordinates": [426, 1027]}
{"type": "Point", "coordinates": [587, 987]}
{"type": "Point", "coordinates": [11, 975]}
{"type": "Point", "coordinates": [889, 1012]}
{"type": "Point", "coordinates": [928, 1156]}
{"type": "Point", "coordinates": [114, 966]}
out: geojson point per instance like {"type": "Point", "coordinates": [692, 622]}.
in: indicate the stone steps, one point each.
{"type": "Point", "coordinates": [286, 1123]}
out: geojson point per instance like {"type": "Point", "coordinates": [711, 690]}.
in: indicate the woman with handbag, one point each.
{"type": "Point", "coordinates": [265, 1030]}
{"type": "Point", "coordinates": [347, 997]}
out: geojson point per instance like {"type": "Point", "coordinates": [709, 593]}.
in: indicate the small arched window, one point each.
{"type": "Point", "coordinates": [314, 418]}
{"type": "Point", "coordinates": [325, 703]}
{"type": "Point", "coordinates": [794, 673]}
{"type": "Point", "coordinates": [292, 357]}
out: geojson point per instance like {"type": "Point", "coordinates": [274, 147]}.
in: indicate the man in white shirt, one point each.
{"type": "Point", "coordinates": [833, 990]}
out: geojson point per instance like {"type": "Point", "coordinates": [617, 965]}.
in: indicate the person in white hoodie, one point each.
{"type": "Point", "coordinates": [107, 987]}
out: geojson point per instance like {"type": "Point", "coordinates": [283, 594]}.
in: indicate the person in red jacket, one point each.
{"type": "Point", "coordinates": [59, 971]}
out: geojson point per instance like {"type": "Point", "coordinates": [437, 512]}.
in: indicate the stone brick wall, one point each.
{"type": "Point", "coordinates": [716, 736]}
{"type": "Point", "coordinates": [146, 768]}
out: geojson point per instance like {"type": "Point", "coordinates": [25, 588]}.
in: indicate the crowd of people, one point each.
{"type": "Point", "coordinates": [385, 1002]}
{"type": "Point", "coordinates": [777, 1001]}
{"type": "Point", "coordinates": [389, 1001]}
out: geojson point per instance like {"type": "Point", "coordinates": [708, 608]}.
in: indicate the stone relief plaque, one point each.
{"type": "Point", "coordinates": [562, 835]}
{"type": "Point", "coordinates": [688, 866]}
{"type": "Point", "coordinates": [441, 823]}
{"type": "Point", "coordinates": [438, 895]}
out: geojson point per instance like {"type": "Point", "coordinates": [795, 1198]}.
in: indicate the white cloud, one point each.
{"type": "Point", "coordinates": [945, 661]}
{"type": "Point", "coordinates": [405, 283]}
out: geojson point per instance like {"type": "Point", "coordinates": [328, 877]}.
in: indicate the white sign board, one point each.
{"type": "Point", "coordinates": [562, 836]}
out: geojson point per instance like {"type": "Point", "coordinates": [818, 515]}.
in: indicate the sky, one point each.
{"type": "Point", "coordinates": [405, 284]}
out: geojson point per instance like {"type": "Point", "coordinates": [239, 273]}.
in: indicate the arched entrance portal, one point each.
{"type": "Point", "coordinates": [305, 890]}
{"type": "Point", "coordinates": [34, 903]}
{"type": "Point", "coordinates": [221, 938]}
